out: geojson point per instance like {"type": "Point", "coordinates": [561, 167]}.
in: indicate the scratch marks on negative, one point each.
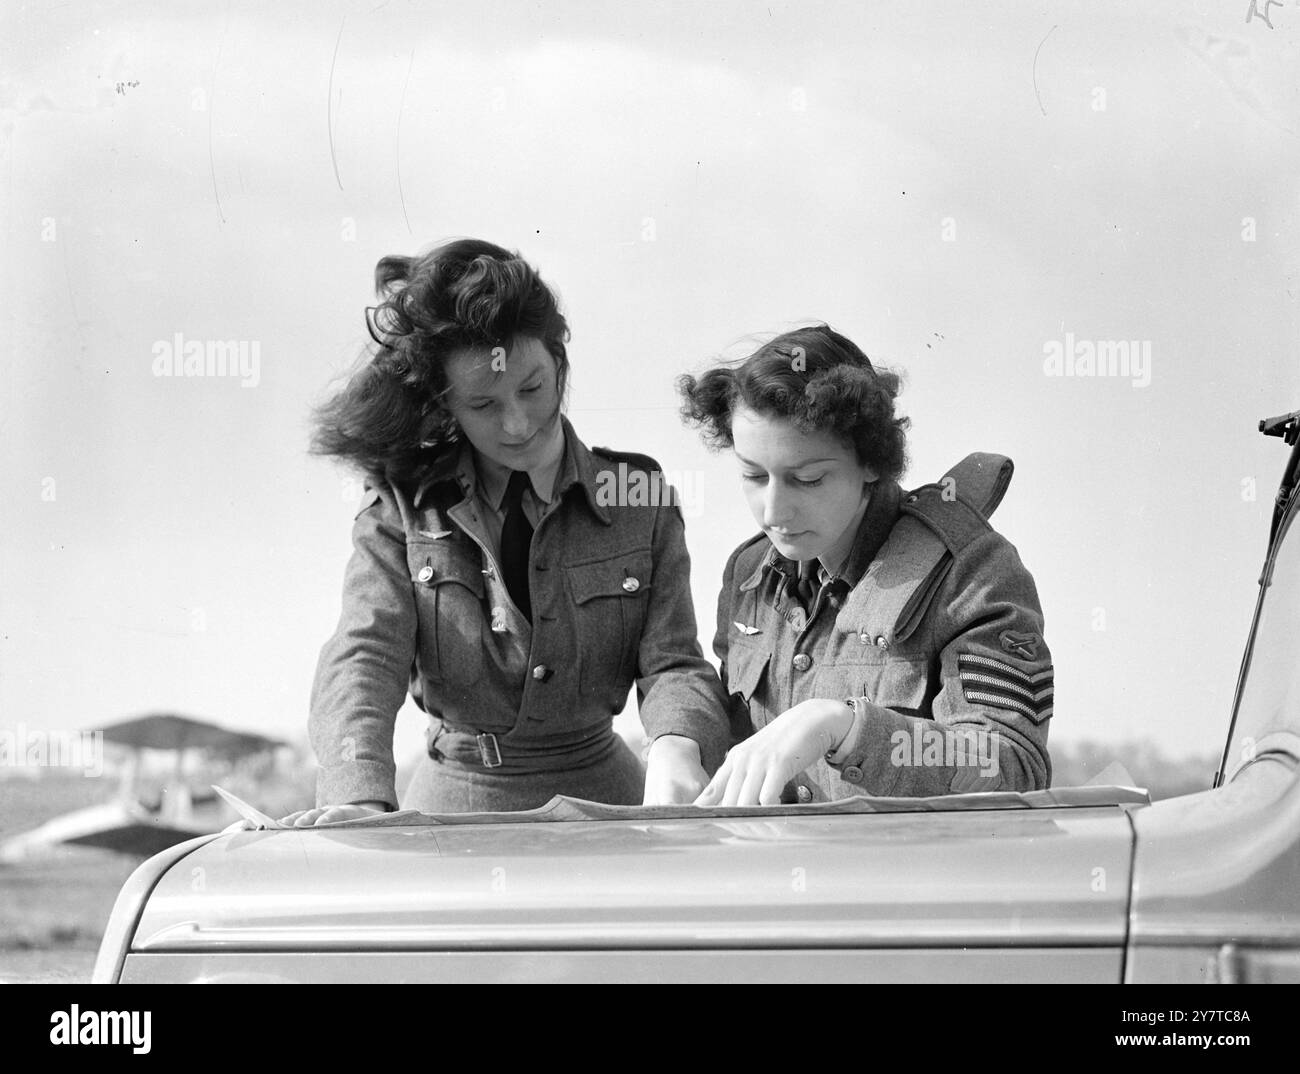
{"type": "Point", "coordinates": [1035, 70]}
{"type": "Point", "coordinates": [212, 100]}
{"type": "Point", "coordinates": [400, 108]}
{"type": "Point", "coordinates": [329, 105]}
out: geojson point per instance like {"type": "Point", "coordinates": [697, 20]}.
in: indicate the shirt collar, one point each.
{"type": "Point", "coordinates": [877, 521]}
{"type": "Point", "coordinates": [577, 467]}
{"type": "Point", "coordinates": [493, 480]}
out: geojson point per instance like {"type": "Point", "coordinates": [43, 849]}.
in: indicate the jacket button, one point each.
{"type": "Point", "coordinates": [882, 642]}
{"type": "Point", "coordinates": [425, 574]}
{"type": "Point", "coordinates": [853, 774]}
{"type": "Point", "coordinates": [540, 672]}
{"type": "Point", "coordinates": [802, 662]}
{"type": "Point", "coordinates": [803, 793]}
{"type": "Point", "coordinates": [631, 585]}
{"type": "Point", "coordinates": [865, 638]}
{"type": "Point", "coordinates": [912, 499]}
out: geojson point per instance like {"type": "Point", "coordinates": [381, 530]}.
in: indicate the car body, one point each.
{"type": "Point", "coordinates": [1091, 884]}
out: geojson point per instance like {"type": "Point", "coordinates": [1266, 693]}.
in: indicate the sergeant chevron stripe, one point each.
{"type": "Point", "coordinates": [991, 682]}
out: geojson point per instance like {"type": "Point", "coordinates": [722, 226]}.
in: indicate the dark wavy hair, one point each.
{"type": "Point", "coordinates": [390, 418]}
{"type": "Point", "coordinates": [816, 378]}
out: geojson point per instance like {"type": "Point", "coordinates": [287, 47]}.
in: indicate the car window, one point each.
{"type": "Point", "coordinates": [1270, 697]}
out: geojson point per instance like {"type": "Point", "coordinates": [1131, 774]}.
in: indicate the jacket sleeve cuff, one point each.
{"type": "Point", "coordinates": [863, 758]}
{"type": "Point", "coordinates": [840, 754]}
{"type": "Point", "coordinates": [356, 781]}
{"type": "Point", "coordinates": [707, 733]}
{"type": "Point", "coordinates": [388, 806]}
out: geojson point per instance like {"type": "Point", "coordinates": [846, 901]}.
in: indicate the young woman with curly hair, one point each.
{"type": "Point", "coordinates": [872, 641]}
{"type": "Point", "coordinates": [493, 576]}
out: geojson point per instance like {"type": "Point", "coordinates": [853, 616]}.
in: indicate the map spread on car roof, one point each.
{"type": "Point", "coordinates": [561, 808]}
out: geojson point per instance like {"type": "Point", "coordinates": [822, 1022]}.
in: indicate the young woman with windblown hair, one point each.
{"type": "Point", "coordinates": [489, 579]}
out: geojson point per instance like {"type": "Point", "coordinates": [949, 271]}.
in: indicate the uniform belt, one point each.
{"type": "Point", "coordinates": [489, 750]}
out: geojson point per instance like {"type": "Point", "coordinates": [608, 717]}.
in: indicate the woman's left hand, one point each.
{"type": "Point", "coordinates": [673, 774]}
{"type": "Point", "coordinates": [307, 818]}
{"type": "Point", "coordinates": [757, 770]}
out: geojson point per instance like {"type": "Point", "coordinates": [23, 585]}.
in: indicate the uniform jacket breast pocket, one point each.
{"type": "Point", "coordinates": [449, 597]}
{"type": "Point", "coordinates": [901, 685]}
{"type": "Point", "coordinates": [610, 597]}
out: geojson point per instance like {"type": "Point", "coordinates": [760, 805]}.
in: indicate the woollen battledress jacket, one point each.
{"type": "Point", "coordinates": [518, 712]}
{"type": "Point", "coordinates": [934, 629]}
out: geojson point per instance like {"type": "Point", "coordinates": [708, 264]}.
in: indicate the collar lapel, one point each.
{"type": "Point", "coordinates": [580, 468]}
{"type": "Point", "coordinates": [877, 521]}
{"type": "Point", "coordinates": [446, 467]}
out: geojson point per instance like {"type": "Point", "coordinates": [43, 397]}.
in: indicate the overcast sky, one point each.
{"type": "Point", "coordinates": [955, 187]}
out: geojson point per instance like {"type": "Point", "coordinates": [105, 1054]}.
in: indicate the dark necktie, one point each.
{"type": "Point", "coordinates": [808, 586]}
{"type": "Point", "coordinates": [516, 538]}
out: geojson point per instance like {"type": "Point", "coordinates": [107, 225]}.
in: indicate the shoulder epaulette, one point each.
{"type": "Point", "coordinates": [957, 507]}
{"type": "Point", "coordinates": [635, 458]}
{"type": "Point", "coordinates": [936, 522]}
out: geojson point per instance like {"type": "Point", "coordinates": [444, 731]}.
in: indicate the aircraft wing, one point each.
{"type": "Point", "coordinates": [168, 731]}
{"type": "Point", "coordinates": [118, 825]}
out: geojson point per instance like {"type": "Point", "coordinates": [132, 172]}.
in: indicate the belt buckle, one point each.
{"type": "Point", "coordinates": [488, 750]}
